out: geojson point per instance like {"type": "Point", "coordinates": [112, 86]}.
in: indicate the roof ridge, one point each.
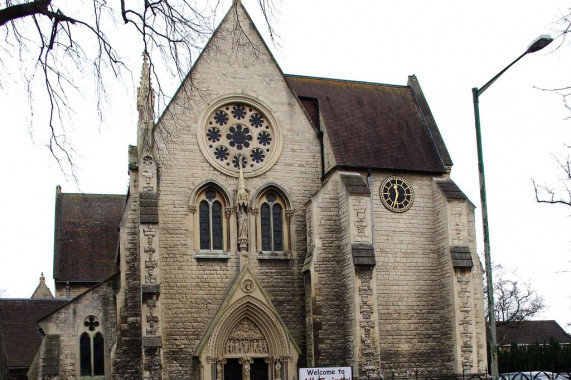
{"type": "Point", "coordinates": [346, 80]}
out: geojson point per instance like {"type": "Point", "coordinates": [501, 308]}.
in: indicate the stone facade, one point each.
{"type": "Point", "coordinates": [250, 245]}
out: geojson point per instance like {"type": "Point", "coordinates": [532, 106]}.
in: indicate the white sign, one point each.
{"type": "Point", "coordinates": [326, 373]}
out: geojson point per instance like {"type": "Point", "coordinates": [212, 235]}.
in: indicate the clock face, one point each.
{"type": "Point", "coordinates": [396, 194]}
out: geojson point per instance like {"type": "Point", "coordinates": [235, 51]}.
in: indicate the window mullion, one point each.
{"type": "Point", "coordinates": [210, 225]}
{"type": "Point", "coordinates": [92, 356]}
{"type": "Point", "coordinates": [272, 225]}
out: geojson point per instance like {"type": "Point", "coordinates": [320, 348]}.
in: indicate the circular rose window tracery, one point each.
{"type": "Point", "coordinates": [238, 134]}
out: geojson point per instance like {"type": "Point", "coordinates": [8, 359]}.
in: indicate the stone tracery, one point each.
{"type": "Point", "coordinates": [240, 133]}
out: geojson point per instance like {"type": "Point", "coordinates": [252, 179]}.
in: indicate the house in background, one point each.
{"type": "Point", "coordinates": [19, 335]}
{"type": "Point", "coordinates": [529, 332]}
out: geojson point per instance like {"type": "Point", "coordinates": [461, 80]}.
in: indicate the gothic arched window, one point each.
{"type": "Point", "coordinates": [91, 350]}
{"type": "Point", "coordinates": [273, 231]}
{"type": "Point", "coordinates": [210, 233]}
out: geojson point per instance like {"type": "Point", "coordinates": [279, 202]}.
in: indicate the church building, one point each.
{"type": "Point", "coordinates": [273, 222]}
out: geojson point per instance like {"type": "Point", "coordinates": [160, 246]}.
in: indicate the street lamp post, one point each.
{"type": "Point", "coordinates": [536, 45]}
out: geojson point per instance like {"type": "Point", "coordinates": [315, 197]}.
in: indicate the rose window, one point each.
{"type": "Point", "coordinates": [240, 135]}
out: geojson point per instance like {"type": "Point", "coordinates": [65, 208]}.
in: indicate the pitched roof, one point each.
{"type": "Point", "coordinates": [528, 332]}
{"type": "Point", "coordinates": [86, 236]}
{"type": "Point", "coordinates": [450, 189]}
{"type": "Point", "coordinates": [373, 125]}
{"type": "Point", "coordinates": [18, 323]}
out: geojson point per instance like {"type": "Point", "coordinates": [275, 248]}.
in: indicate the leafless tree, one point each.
{"type": "Point", "coordinates": [514, 300]}
{"type": "Point", "coordinates": [562, 31]}
{"type": "Point", "coordinates": [55, 42]}
{"type": "Point", "coordinates": [560, 192]}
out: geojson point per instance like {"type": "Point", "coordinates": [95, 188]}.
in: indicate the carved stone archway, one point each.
{"type": "Point", "coordinates": [248, 330]}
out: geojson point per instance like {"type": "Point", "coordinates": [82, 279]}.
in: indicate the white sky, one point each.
{"type": "Point", "coordinates": [451, 46]}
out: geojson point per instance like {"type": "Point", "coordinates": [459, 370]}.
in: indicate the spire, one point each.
{"type": "Point", "coordinates": [145, 93]}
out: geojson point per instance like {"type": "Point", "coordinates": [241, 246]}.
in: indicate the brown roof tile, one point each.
{"type": "Point", "coordinates": [86, 236]}
{"type": "Point", "coordinates": [450, 189]}
{"type": "Point", "coordinates": [528, 332]}
{"type": "Point", "coordinates": [18, 322]}
{"type": "Point", "coordinates": [374, 125]}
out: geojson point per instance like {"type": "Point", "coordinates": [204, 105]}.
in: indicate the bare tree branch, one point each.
{"type": "Point", "coordinates": [55, 44]}
{"type": "Point", "coordinates": [560, 193]}
{"type": "Point", "coordinates": [514, 300]}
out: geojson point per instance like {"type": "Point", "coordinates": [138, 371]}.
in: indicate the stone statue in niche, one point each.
{"type": "Point", "coordinates": [242, 223]}
{"type": "Point", "coordinates": [242, 199]}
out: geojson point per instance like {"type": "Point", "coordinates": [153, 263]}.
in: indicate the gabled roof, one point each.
{"type": "Point", "coordinates": [42, 291]}
{"type": "Point", "coordinates": [373, 125]}
{"type": "Point", "coordinates": [529, 332]}
{"type": "Point", "coordinates": [86, 236]}
{"type": "Point", "coordinates": [18, 322]}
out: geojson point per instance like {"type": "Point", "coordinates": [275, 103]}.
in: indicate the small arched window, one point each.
{"type": "Point", "coordinates": [91, 350]}
{"type": "Point", "coordinates": [210, 234]}
{"type": "Point", "coordinates": [273, 231]}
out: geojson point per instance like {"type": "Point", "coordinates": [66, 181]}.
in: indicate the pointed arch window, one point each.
{"type": "Point", "coordinates": [91, 350]}
{"type": "Point", "coordinates": [273, 231]}
{"type": "Point", "coordinates": [210, 222]}
{"type": "Point", "coordinates": [272, 225]}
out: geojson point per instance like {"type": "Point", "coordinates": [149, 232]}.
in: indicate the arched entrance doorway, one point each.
{"type": "Point", "coordinates": [246, 353]}
{"type": "Point", "coordinates": [247, 340]}
{"type": "Point", "coordinates": [258, 369]}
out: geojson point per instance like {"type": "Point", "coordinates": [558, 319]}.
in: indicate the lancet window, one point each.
{"type": "Point", "coordinates": [210, 221]}
{"type": "Point", "coordinates": [273, 231]}
{"type": "Point", "coordinates": [91, 350]}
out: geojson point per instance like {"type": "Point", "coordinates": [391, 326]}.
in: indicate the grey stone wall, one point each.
{"type": "Point", "coordinates": [192, 288]}
{"type": "Point", "coordinates": [413, 323]}
{"type": "Point", "coordinates": [68, 324]}
{"type": "Point", "coordinates": [128, 353]}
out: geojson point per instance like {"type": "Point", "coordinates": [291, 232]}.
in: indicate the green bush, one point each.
{"type": "Point", "coordinates": [535, 357]}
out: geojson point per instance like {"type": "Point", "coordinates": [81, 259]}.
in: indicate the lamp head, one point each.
{"type": "Point", "coordinates": [539, 43]}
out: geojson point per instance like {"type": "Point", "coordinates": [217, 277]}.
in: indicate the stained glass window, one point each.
{"type": "Point", "coordinates": [85, 354]}
{"type": "Point", "coordinates": [210, 222]}
{"type": "Point", "coordinates": [271, 223]}
{"type": "Point", "coordinates": [266, 227]}
{"type": "Point", "coordinates": [238, 135]}
{"type": "Point", "coordinates": [98, 355]}
{"type": "Point", "coordinates": [204, 220]}
{"type": "Point", "coordinates": [216, 225]}
{"type": "Point", "coordinates": [91, 350]}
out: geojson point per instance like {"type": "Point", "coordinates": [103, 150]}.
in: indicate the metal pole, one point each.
{"type": "Point", "coordinates": [492, 341]}
{"type": "Point", "coordinates": [538, 44]}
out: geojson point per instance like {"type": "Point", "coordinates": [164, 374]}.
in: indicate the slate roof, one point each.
{"type": "Point", "coordinates": [529, 332]}
{"type": "Point", "coordinates": [450, 189]}
{"type": "Point", "coordinates": [86, 236]}
{"type": "Point", "coordinates": [18, 322]}
{"type": "Point", "coordinates": [461, 257]}
{"type": "Point", "coordinates": [373, 125]}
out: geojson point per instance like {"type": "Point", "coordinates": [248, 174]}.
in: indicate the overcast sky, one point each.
{"type": "Point", "coordinates": [451, 46]}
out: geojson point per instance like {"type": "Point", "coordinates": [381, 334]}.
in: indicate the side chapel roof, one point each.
{"type": "Point", "coordinates": [18, 323]}
{"type": "Point", "coordinates": [86, 236]}
{"type": "Point", "coordinates": [372, 125]}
